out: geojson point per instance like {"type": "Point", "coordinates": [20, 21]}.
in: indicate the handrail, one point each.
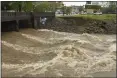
{"type": "Point", "coordinates": [14, 14]}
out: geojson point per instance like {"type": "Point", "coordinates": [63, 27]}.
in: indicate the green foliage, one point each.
{"type": "Point", "coordinates": [96, 17]}
{"type": "Point", "coordinates": [5, 5]}
{"type": "Point", "coordinates": [110, 9]}
{"type": "Point", "coordinates": [16, 5]}
{"type": "Point", "coordinates": [92, 7]}
{"type": "Point", "coordinates": [52, 6]}
{"type": "Point", "coordinates": [23, 6]}
{"type": "Point", "coordinates": [47, 6]}
{"type": "Point", "coordinates": [99, 17]}
{"type": "Point", "coordinates": [63, 8]}
{"type": "Point", "coordinates": [81, 8]}
{"type": "Point", "coordinates": [27, 6]}
{"type": "Point", "coordinates": [68, 10]}
{"type": "Point", "coordinates": [42, 7]}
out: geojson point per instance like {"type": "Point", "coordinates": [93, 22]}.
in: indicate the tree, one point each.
{"type": "Point", "coordinates": [52, 6]}
{"type": "Point", "coordinates": [81, 8]}
{"type": "Point", "coordinates": [47, 6]}
{"type": "Point", "coordinates": [5, 5]}
{"type": "Point", "coordinates": [27, 6]}
{"type": "Point", "coordinates": [22, 6]}
{"type": "Point", "coordinates": [63, 8]}
{"type": "Point", "coordinates": [110, 9]}
{"type": "Point", "coordinates": [68, 10]}
{"type": "Point", "coordinates": [42, 7]}
{"type": "Point", "coordinates": [17, 5]}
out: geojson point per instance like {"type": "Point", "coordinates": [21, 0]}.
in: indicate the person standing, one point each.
{"type": "Point", "coordinates": [43, 20]}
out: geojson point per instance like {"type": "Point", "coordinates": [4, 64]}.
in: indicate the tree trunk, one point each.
{"type": "Point", "coordinates": [20, 7]}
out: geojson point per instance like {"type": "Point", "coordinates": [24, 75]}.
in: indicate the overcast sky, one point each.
{"type": "Point", "coordinates": [74, 3]}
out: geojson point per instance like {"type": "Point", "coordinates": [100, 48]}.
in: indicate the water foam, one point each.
{"type": "Point", "coordinates": [75, 55]}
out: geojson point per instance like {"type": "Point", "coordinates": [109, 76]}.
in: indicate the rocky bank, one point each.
{"type": "Point", "coordinates": [81, 25]}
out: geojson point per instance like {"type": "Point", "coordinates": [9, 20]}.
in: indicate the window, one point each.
{"type": "Point", "coordinates": [88, 2]}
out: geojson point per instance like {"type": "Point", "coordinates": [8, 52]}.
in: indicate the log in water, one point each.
{"type": "Point", "coordinates": [47, 53]}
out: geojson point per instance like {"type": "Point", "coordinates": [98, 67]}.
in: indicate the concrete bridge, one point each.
{"type": "Point", "coordinates": [17, 19]}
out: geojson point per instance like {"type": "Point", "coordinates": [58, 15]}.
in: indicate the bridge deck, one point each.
{"type": "Point", "coordinates": [10, 16]}
{"type": "Point", "coordinates": [33, 18]}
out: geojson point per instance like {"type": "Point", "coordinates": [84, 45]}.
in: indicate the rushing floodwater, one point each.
{"type": "Point", "coordinates": [34, 53]}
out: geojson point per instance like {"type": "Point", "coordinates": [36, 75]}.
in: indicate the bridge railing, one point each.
{"type": "Point", "coordinates": [8, 14]}
{"type": "Point", "coordinates": [22, 13]}
{"type": "Point", "coordinates": [14, 14]}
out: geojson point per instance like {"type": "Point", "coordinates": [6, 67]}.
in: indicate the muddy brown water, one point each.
{"type": "Point", "coordinates": [48, 53]}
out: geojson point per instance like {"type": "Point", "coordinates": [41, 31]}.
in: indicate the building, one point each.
{"type": "Point", "coordinates": [88, 2]}
{"type": "Point", "coordinates": [98, 3]}
{"type": "Point", "coordinates": [88, 11]}
{"type": "Point", "coordinates": [103, 3]}
{"type": "Point", "coordinates": [89, 7]}
{"type": "Point", "coordinates": [75, 9]}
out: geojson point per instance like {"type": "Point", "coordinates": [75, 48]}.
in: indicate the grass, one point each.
{"type": "Point", "coordinates": [97, 17]}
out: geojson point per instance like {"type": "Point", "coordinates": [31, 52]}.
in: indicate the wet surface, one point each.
{"type": "Point", "coordinates": [40, 53]}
